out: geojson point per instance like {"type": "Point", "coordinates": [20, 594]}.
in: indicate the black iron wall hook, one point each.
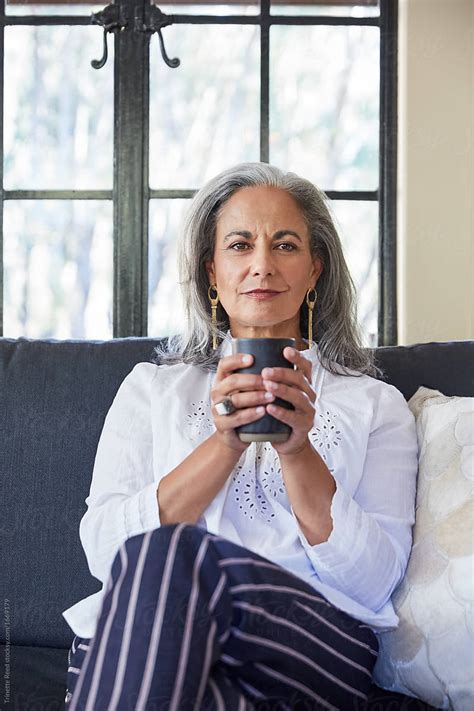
{"type": "Point", "coordinates": [148, 19]}
{"type": "Point", "coordinates": [151, 19]}
{"type": "Point", "coordinates": [113, 19]}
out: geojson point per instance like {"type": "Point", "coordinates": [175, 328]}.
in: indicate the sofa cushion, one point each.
{"type": "Point", "coordinates": [37, 678]}
{"type": "Point", "coordinates": [431, 653]}
{"type": "Point", "coordinates": [54, 398]}
{"type": "Point", "coordinates": [440, 366]}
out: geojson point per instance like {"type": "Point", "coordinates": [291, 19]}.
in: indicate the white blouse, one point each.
{"type": "Point", "coordinates": [363, 430]}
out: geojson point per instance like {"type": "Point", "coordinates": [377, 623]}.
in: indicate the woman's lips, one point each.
{"type": "Point", "coordinates": [262, 294]}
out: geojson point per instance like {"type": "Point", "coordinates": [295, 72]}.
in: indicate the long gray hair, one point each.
{"type": "Point", "coordinates": [335, 327]}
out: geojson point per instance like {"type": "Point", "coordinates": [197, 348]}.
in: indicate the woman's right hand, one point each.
{"type": "Point", "coordinates": [247, 393]}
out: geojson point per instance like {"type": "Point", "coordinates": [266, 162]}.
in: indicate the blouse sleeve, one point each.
{"type": "Point", "coordinates": [367, 551]}
{"type": "Point", "coordinates": [123, 495]}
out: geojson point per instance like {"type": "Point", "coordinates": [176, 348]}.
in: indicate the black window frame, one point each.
{"type": "Point", "coordinates": [131, 192]}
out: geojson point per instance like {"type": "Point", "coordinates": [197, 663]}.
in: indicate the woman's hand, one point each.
{"type": "Point", "coordinates": [295, 387]}
{"type": "Point", "coordinates": [247, 394]}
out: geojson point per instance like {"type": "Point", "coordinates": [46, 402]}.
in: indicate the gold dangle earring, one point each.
{"type": "Point", "coordinates": [311, 303]}
{"type": "Point", "coordinates": [214, 301]}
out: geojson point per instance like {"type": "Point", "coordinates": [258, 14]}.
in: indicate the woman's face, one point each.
{"type": "Point", "coordinates": [262, 242]}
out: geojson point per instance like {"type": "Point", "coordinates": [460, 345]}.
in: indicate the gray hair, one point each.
{"type": "Point", "coordinates": [335, 326]}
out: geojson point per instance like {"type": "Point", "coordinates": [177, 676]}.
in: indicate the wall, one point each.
{"type": "Point", "coordinates": [436, 171]}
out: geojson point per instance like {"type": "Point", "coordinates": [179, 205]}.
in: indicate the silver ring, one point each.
{"type": "Point", "coordinates": [225, 407]}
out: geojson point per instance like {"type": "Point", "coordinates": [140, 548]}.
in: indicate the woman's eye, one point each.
{"type": "Point", "coordinates": [288, 246]}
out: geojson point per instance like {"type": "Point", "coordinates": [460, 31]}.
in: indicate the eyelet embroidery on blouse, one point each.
{"type": "Point", "coordinates": [253, 487]}
{"type": "Point", "coordinates": [249, 495]}
{"type": "Point", "coordinates": [326, 433]}
{"type": "Point", "coordinates": [272, 477]}
{"type": "Point", "coordinates": [198, 420]}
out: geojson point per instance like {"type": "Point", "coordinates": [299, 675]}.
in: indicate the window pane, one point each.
{"type": "Point", "coordinates": [367, 8]}
{"type": "Point", "coordinates": [357, 225]}
{"type": "Point", "coordinates": [58, 110]}
{"type": "Point", "coordinates": [58, 269]}
{"type": "Point", "coordinates": [204, 115]}
{"type": "Point", "coordinates": [33, 8]}
{"type": "Point", "coordinates": [165, 305]}
{"type": "Point", "coordinates": [236, 8]}
{"type": "Point", "coordinates": [362, 8]}
{"type": "Point", "coordinates": [324, 104]}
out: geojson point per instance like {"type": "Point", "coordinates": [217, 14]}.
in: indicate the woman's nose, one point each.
{"type": "Point", "coordinates": [262, 262]}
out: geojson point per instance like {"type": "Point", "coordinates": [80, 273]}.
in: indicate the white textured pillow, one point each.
{"type": "Point", "coordinates": [431, 653]}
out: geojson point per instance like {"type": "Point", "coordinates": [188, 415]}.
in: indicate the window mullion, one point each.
{"type": "Point", "coordinates": [130, 189]}
{"type": "Point", "coordinates": [265, 81]}
{"type": "Point", "coordinates": [2, 83]}
{"type": "Point", "coordinates": [387, 313]}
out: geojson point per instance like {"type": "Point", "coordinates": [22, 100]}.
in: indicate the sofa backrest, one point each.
{"type": "Point", "coordinates": [54, 396]}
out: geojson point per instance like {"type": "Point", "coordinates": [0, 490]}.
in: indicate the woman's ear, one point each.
{"type": "Point", "coordinates": [211, 274]}
{"type": "Point", "coordinates": [317, 269]}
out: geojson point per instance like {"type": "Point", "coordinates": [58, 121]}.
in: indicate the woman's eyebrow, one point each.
{"type": "Point", "coordinates": [248, 235]}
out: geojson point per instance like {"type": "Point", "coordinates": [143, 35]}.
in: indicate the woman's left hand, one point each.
{"type": "Point", "coordinates": [295, 387]}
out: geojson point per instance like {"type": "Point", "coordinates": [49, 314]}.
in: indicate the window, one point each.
{"type": "Point", "coordinates": [99, 165]}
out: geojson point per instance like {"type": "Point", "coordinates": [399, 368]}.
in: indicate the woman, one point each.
{"type": "Point", "coordinates": [237, 575]}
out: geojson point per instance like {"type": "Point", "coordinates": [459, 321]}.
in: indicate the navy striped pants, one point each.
{"type": "Point", "coordinates": [191, 621]}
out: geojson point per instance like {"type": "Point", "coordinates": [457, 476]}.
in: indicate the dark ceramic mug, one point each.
{"type": "Point", "coordinates": [267, 353]}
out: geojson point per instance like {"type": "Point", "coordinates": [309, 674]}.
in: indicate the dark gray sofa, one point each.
{"type": "Point", "coordinates": [54, 396]}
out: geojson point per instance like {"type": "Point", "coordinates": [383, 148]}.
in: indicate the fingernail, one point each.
{"type": "Point", "coordinates": [267, 372]}
{"type": "Point", "coordinates": [246, 359]}
{"type": "Point", "coordinates": [269, 396]}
